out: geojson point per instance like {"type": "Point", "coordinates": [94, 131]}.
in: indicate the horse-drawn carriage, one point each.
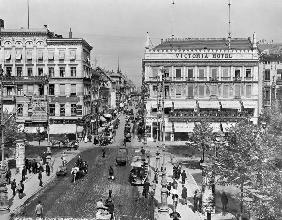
{"type": "Point", "coordinates": [139, 172]}
{"type": "Point", "coordinates": [79, 171]}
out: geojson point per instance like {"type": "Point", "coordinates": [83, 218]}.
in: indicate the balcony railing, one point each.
{"type": "Point", "coordinates": [25, 79]}
{"type": "Point", "coordinates": [190, 78]}
{"type": "Point", "coordinates": [248, 78]}
{"type": "Point", "coordinates": [226, 78]}
{"type": "Point", "coordinates": [279, 81]}
{"type": "Point", "coordinates": [202, 78]}
{"type": "Point", "coordinates": [237, 79]}
{"type": "Point", "coordinates": [214, 79]}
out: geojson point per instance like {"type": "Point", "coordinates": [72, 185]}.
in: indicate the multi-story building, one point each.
{"type": "Point", "coordinates": [45, 73]}
{"type": "Point", "coordinates": [270, 70]}
{"type": "Point", "coordinates": [189, 80]}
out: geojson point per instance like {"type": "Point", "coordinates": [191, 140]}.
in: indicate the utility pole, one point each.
{"type": "Point", "coordinates": [2, 120]}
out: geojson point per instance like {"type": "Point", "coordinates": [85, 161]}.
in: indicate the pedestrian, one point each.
{"type": "Point", "coordinates": [146, 188]}
{"type": "Point", "coordinates": [224, 201]}
{"type": "Point", "coordinates": [184, 195]}
{"type": "Point", "coordinates": [175, 202]}
{"type": "Point", "coordinates": [143, 151]}
{"type": "Point", "coordinates": [169, 187]}
{"type": "Point", "coordinates": [14, 186]}
{"type": "Point", "coordinates": [158, 160]}
{"type": "Point", "coordinates": [34, 166]}
{"type": "Point", "coordinates": [195, 198]}
{"type": "Point", "coordinates": [111, 208]}
{"type": "Point", "coordinates": [39, 210]}
{"type": "Point", "coordinates": [183, 176]}
{"type": "Point", "coordinates": [8, 176]}
{"type": "Point", "coordinates": [156, 177]}
{"type": "Point", "coordinates": [40, 178]}
{"type": "Point", "coordinates": [154, 187]}
{"type": "Point", "coordinates": [174, 172]}
{"type": "Point", "coordinates": [110, 193]}
{"type": "Point", "coordinates": [199, 198]}
{"type": "Point", "coordinates": [103, 152]}
{"type": "Point", "coordinates": [23, 173]}
{"type": "Point", "coordinates": [178, 172]}
{"type": "Point", "coordinates": [175, 184]}
{"type": "Point", "coordinates": [48, 169]}
{"type": "Point", "coordinates": [20, 189]}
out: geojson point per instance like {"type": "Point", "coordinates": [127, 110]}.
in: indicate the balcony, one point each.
{"type": "Point", "coordinates": [248, 78]}
{"type": "Point", "coordinates": [214, 79]}
{"type": "Point", "coordinates": [9, 97]}
{"type": "Point", "coordinates": [202, 78]}
{"type": "Point", "coordinates": [237, 79]}
{"type": "Point", "coordinates": [25, 80]}
{"type": "Point", "coordinates": [63, 99]}
{"type": "Point", "coordinates": [228, 78]}
{"type": "Point", "coordinates": [189, 79]}
{"type": "Point", "coordinates": [279, 81]}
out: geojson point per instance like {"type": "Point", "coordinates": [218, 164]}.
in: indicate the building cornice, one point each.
{"type": "Point", "coordinates": [69, 41]}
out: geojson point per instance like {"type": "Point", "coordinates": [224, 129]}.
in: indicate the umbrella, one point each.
{"type": "Point", "coordinates": [102, 118]}
{"type": "Point", "coordinates": [107, 115]}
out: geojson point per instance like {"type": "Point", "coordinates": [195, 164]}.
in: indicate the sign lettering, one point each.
{"type": "Point", "coordinates": [203, 56]}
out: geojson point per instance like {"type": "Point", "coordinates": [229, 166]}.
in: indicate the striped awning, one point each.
{"type": "Point", "coordinates": [209, 104]}
{"type": "Point", "coordinates": [185, 105]}
{"type": "Point", "coordinates": [231, 104]}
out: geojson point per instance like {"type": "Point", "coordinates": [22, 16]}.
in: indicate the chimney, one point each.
{"type": "Point", "coordinates": [70, 33]}
{"type": "Point", "coordinates": [1, 23]}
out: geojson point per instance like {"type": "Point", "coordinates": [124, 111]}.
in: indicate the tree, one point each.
{"type": "Point", "coordinates": [202, 136]}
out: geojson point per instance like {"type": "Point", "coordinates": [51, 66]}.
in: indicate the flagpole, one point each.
{"type": "Point", "coordinates": [27, 14]}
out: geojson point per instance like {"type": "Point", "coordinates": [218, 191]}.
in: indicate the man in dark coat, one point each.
{"type": "Point", "coordinates": [48, 169]}
{"type": "Point", "coordinates": [184, 195]}
{"type": "Point", "coordinates": [40, 178]}
{"type": "Point", "coordinates": [183, 176]}
{"type": "Point", "coordinates": [23, 173]}
{"type": "Point", "coordinates": [14, 186]}
{"type": "Point", "coordinates": [8, 176]}
{"type": "Point", "coordinates": [224, 201]}
{"type": "Point", "coordinates": [195, 198]}
{"type": "Point", "coordinates": [146, 188]}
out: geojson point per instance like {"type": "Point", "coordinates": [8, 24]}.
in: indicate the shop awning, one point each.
{"type": "Point", "coordinates": [184, 127]}
{"type": "Point", "coordinates": [185, 105]}
{"type": "Point", "coordinates": [250, 104]}
{"type": "Point", "coordinates": [231, 104]}
{"type": "Point", "coordinates": [227, 126]}
{"type": "Point", "coordinates": [168, 104]}
{"type": "Point", "coordinates": [215, 127]}
{"type": "Point", "coordinates": [209, 104]}
{"type": "Point", "coordinates": [102, 118]}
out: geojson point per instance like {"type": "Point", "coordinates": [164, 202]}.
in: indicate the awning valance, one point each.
{"type": "Point", "coordinates": [231, 104]}
{"type": "Point", "coordinates": [185, 105]}
{"type": "Point", "coordinates": [209, 104]}
{"type": "Point", "coordinates": [250, 104]}
{"type": "Point", "coordinates": [107, 115]}
{"type": "Point", "coordinates": [168, 104]}
{"type": "Point", "coordinates": [184, 127]}
{"type": "Point", "coordinates": [215, 127]}
{"type": "Point", "coordinates": [227, 126]}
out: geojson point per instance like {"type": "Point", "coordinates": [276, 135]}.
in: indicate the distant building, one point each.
{"type": "Point", "coordinates": [196, 79]}
{"type": "Point", "coordinates": [45, 72]}
{"type": "Point", "coordinates": [270, 70]}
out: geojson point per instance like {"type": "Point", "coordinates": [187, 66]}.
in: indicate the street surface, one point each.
{"type": "Point", "coordinates": [61, 198]}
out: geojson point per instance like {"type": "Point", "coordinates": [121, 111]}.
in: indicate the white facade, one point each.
{"type": "Point", "coordinates": [192, 84]}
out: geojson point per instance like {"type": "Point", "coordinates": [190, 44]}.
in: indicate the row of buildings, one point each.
{"type": "Point", "coordinates": [48, 81]}
{"type": "Point", "coordinates": [221, 80]}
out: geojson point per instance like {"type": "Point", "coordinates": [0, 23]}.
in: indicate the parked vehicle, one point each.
{"type": "Point", "coordinates": [139, 172]}
{"type": "Point", "coordinates": [122, 156]}
{"type": "Point", "coordinates": [62, 171]}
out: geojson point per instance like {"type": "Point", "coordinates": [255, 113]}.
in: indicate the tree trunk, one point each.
{"type": "Point", "coordinates": [241, 200]}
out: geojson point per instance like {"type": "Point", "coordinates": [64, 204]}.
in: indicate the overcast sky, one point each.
{"type": "Point", "coordinates": [117, 28]}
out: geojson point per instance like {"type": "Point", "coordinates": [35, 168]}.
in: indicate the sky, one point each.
{"type": "Point", "coordinates": [117, 28]}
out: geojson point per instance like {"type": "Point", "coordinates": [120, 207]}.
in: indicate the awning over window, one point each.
{"type": "Point", "coordinates": [227, 126]}
{"type": "Point", "coordinates": [184, 127]}
{"type": "Point", "coordinates": [250, 104]}
{"type": "Point", "coordinates": [209, 104]}
{"type": "Point", "coordinates": [185, 105]}
{"type": "Point", "coordinates": [51, 55]}
{"type": "Point", "coordinates": [168, 104]}
{"type": "Point", "coordinates": [231, 104]}
{"type": "Point", "coordinates": [29, 55]}
{"type": "Point", "coordinates": [215, 126]}
{"type": "Point", "coordinates": [102, 119]}
{"type": "Point", "coordinates": [40, 55]}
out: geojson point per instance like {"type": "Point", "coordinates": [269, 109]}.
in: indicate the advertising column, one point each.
{"type": "Point", "coordinates": [20, 155]}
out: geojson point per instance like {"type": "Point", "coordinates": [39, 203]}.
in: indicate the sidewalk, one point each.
{"type": "Point", "coordinates": [31, 184]}
{"type": "Point", "coordinates": [184, 210]}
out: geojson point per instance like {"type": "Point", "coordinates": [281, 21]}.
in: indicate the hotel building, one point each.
{"type": "Point", "coordinates": [45, 73]}
{"type": "Point", "coordinates": [192, 79]}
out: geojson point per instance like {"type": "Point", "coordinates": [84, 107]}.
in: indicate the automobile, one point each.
{"type": "Point", "coordinates": [122, 156]}
{"type": "Point", "coordinates": [62, 171]}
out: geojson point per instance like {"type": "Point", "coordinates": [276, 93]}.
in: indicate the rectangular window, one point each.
{"type": "Point", "coordinates": [62, 110]}
{"type": "Point", "coordinates": [30, 89]}
{"type": "Point", "coordinates": [155, 72]}
{"type": "Point", "coordinates": [202, 73]}
{"type": "Point", "coordinates": [7, 55]}
{"type": "Point", "coordinates": [166, 92]}
{"type": "Point", "coordinates": [29, 55]}
{"type": "Point", "coordinates": [267, 75]}
{"type": "Point", "coordinates": [237, 74]}
{"type": "Point", "coordinates": [8, 71]}
{"type": "Point", "coordinates": [73, 90]}
{"type": "Point", "coordinates": [62, 89]}
{"type": "Point", "coordinates": [73, 109]}
{"type": "Point", "coordinates": [155, 90]}
{"type": "Point", "coordinates": [41, 89]}
{"type": "Point", "coordinates": [51, 89]}
{"type": "Point", "coordinates": [61, 55]}
{"type": "Point", "coordinates": [40, 55]}
{"type": "Point", "coordinates": [248, 91]}
{"type": "Point", "coordinates": [190, 73]}
{"type": "Point", "coordinates": [178, 91]}
{"type": "Point", "coordinates": [279, 74]}
{"type": "Point", "coordinates": [20, 110]}
{"type": "Point", "coordinates": [214, 74]}
{"type": "Point", "coordinates": [9, 90]}
{"type": "Point", "coordinates": [237, 91]}
{"type": "Point", "coordinates": [166, 72]}
{"type": "Point", "coordinates": [62, 71]}
{"type": "Point", "coordinates": [73, 71]}
{"type": "Point", "coordinates": [50, 55]}
{"type": "Point", "coordinates": [225, 91]}
{"type": "Point", "coordinates": [19, 71]}
{"type": "Point", "coordinates": [79, 110]}
{"type": "Point", "coordinates": [40, 71]}
{"type": "Point", "coordinates": [20, 90]}
{"type": "Point", "coordinates": [213, 90]}
{"type": "Point", "coordinates": [52, 109]}
{"type": "Point", "coordinates": [72, 55]}
{"type": "Point", "coordinates": [248, 73]}
{"type": "Point", "coordinates": [29, 109]}
{"type": "Point", "coordinates": [201, 91]}
{"type": "Point", "coordinates": [18, 54]}
{"type": "Point", "coordinates": [29, 71]}
{"type": "Point", "coordinates": [225, 73]}
{"type": "Point", "coordinates": [267, 94]}
{"type": "Point", "coordinates": [51, 71]}
{"type": "Point", "coordinates": [190, 91]}
{"type": "Point", "coordinates": [178, 73]}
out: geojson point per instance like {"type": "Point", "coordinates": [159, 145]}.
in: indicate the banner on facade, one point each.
{"type": "Point", "coordinates": [39, 111]}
